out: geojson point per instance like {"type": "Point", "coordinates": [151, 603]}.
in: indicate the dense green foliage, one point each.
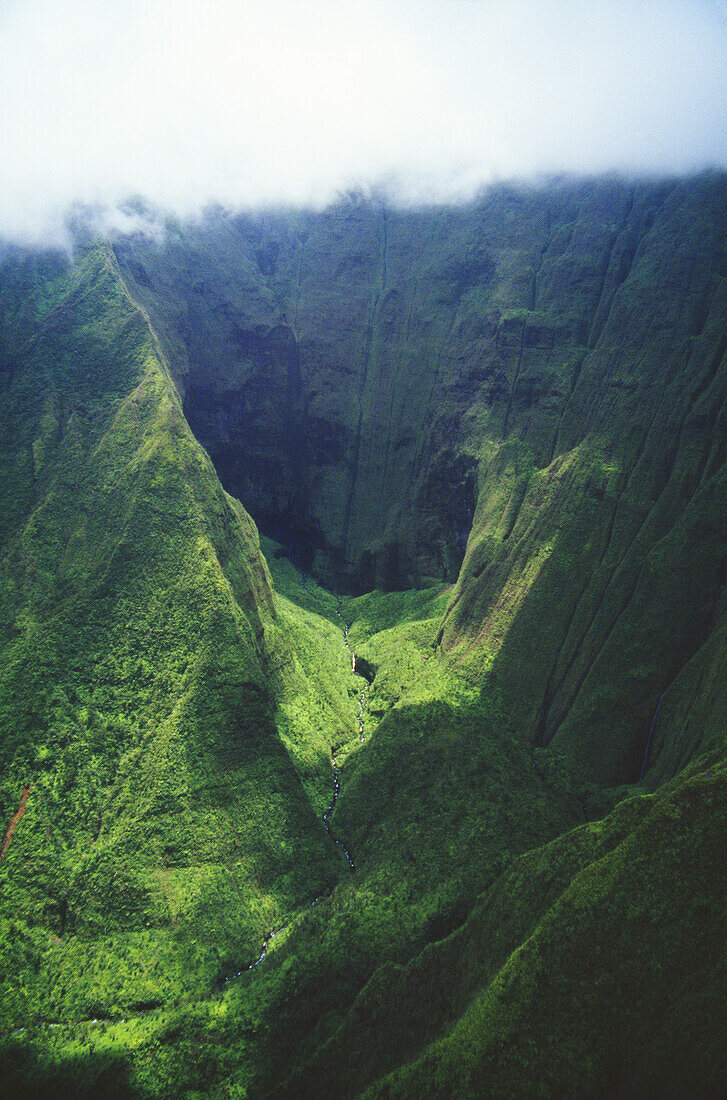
{"type": "Point", "coordinates": [501, 428]}
{"type": "Point", "coordinates": [166, 829]}
{"type": "Point", "coordinates": [572, 977]}
{"type": "Point", "coordinates": [537, 379]}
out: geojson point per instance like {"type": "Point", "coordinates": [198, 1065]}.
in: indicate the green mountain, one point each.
{"type": "Point", "coordinates": [486, 824]}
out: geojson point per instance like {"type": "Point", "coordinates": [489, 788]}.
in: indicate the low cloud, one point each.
{"type": "Point", "coordinates": [289, 102]}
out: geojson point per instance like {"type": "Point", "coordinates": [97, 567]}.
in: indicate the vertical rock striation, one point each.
{"type": "Point", "coordinates": [524, 396]}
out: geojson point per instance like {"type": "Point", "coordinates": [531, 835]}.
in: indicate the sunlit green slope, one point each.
{"type": "Point", "coordinates": [166, 829]}
{"type": "Point", "coordinates": [509, 417]}
{"type": "Point", "coordinates": [436, 801]}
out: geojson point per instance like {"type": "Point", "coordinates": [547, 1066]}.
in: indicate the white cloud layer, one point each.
{"type": "Point", "coordinates": [287, 102]}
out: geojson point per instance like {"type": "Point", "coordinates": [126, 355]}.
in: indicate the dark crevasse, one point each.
{"type": "Point", "coordinates": [251, 427]}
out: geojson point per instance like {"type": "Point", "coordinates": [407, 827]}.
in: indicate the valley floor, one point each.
{"type": "Point", "coordinates": [420, 966]}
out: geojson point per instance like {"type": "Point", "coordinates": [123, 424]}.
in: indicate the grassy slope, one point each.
{"type": "Point", "coordinates": [617, 985]}
{"type": "Point", "coordinates": [574, 975]}
{"type": "Point", "coordinates": [166, 829]}
{"type": "Point", "coordinates": [315, 690]}
{"type": "Point", "coordinates": [445, 795]}
{"type": "Point", "coordinates": [432, 742]}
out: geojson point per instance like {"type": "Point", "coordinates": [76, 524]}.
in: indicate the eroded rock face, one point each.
{"type": "Point", "coordinates": [251, 424]}
{"type": "Point", "coordinates": [525, 397]}
{"type": "Point", "coordinates": [343, 368]}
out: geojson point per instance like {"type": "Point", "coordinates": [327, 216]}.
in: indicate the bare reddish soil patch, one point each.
{"type": "Point", "coordinates": [14, 820]}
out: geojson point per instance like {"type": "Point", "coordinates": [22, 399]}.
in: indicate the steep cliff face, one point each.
{"type": "Point", "coordinates": [514, 411]}
{"type": "Point", "coordinates": [362, 357]}
{"type": "Point", "coordinates": [165, 827]}
{"type": "Point", "coordinates": [595, 577]}
{"type": "Point", "coordinates": [537, 379]}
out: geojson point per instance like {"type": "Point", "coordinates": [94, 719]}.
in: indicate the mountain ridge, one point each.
{"type": "Point", "coordinates": [539, 379]}
{"type": "Point", "coordinates": [490, 440]}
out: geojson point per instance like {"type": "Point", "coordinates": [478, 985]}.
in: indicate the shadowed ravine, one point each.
{"type": "Point", "coordinates": [495, 458]}
{"type": "Point", "coordinates": [327, 814]}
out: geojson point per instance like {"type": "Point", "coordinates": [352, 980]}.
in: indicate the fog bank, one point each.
{"type": "Point", "coordinates": [249, 104]}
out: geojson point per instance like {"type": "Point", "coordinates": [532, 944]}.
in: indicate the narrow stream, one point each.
{"type": "Point", "coordinates": [329, 811]}
{"type": "Point", "coordinates": [336, 787]}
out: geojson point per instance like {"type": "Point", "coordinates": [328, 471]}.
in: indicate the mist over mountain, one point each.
{"type": "Point", "coordinates": [229, 102]}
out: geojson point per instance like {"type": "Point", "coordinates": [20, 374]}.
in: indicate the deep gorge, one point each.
{"type": "Point", "coordinates": [488, 442]}
{"type": "Point", "coordinates": [382, 386]}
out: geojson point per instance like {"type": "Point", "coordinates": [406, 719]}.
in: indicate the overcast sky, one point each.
{"type": "Point", "coordinates": [276, 101]}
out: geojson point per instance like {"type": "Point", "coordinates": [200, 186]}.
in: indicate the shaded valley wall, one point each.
{"type": "Point", "coordinates": [538, 379]}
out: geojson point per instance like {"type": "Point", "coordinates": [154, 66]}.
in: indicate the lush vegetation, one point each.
{"type": "Point", "coordinates": [166, 829]}
{"type": "Point", "coordinates": [497, 434]}
{"type": "Point", "coordinates": [572, 976]}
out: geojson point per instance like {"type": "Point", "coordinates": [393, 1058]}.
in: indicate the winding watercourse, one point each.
{"type": "Point", "coordinates": [336, 785]}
